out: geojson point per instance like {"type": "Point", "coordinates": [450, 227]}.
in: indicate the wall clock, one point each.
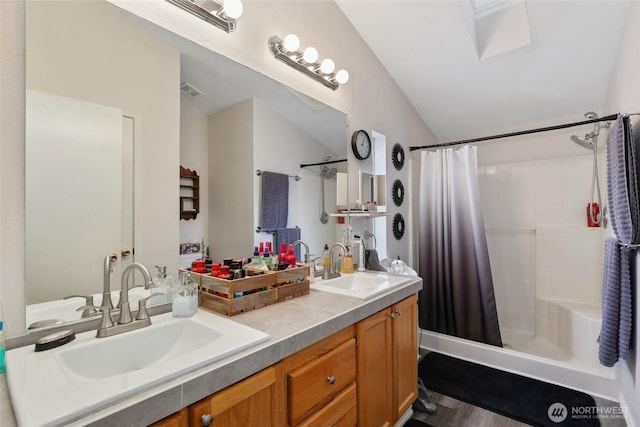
{"type": "Point", "coordinates": [361, 144]}
{"type": "Point", "coordinates": [397, 156]}
{"type": "Point", "coordinates": [397, 192]}
{"type": "Point", "coordinates": [398, 226]}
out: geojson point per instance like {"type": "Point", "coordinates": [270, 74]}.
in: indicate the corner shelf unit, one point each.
{"type": "Point", "coordinates": [189, 194]}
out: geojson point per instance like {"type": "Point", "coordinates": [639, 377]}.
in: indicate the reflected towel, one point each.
{"type": "Point", "coordinates": [275, 200]}
{"type": "Point", "coordinates": [615, 335]}
{"type": "Point", "coordinates": [288, 236]}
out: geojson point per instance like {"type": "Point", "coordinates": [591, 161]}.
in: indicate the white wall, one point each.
{"type": "Point", "coordinates": [624, 97]}
{"type": "Point", "coordinates": [231, 176]}
{"type": "Point", "coordinates": [194, 152]}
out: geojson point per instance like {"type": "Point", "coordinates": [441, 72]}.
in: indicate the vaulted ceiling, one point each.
{"type": "Point", "coordinates": [429, 49]}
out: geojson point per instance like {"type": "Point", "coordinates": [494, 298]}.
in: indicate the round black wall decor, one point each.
{"type": "Point", "coordinates": [398, 192]}
{"type": "Point", "coordinates": [398, 226]}
{"type": "Point", "coordinates": [397, 156]}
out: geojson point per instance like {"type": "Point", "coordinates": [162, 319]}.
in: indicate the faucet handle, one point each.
{"type": "Point", "coordinates": [142, 306]}
{"type": "Point", "coordinates": [89, 310]}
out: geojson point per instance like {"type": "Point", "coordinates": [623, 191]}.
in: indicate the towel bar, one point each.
{"type": "Point", "coordinates": [296, 177]}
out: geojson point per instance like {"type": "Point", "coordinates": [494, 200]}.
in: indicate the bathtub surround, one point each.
{"type": "Point", "coordinates": [458, 297]}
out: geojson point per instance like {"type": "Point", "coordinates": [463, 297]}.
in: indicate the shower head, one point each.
{"type": "Point", "coordinates": [329, 173]}
{"type": "Point", "coordinates": [583, 142]}
{"type": "Point", "coordinates": [588, 141]}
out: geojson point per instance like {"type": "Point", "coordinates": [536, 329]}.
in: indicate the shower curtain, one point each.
{"type": "Point", "coordinates": [457, 296]}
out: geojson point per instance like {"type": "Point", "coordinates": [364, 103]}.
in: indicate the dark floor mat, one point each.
{"type": "Point", "coordinates": [521, 398]}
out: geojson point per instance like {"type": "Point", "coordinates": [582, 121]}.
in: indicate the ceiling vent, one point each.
{"type": "Point", "coordinates": [190, 91]}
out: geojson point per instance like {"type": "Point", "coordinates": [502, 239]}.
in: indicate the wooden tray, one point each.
{"type": "Point", "coordinates": [258, 289]}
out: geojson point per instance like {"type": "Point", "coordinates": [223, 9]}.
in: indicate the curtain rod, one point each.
{"type": "Point", "coordinates": [322, 163]}
{"type": "Point", "coordinates": [522, 132]}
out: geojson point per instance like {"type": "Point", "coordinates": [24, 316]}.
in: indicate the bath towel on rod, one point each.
{"type": "Point", "coordinates": [622, 181]}
{"type": "Point", "coordinates": [275, 200]}
{"type": "Point", "coordinates": [288, 236]}
{"type": "Point", "coordinates": [615, 334]}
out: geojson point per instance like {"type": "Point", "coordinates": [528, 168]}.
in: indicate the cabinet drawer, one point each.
{"type": "Point", "coordinates": [312, 385]}
{"type": "Point", "coordinates": [341, 412]}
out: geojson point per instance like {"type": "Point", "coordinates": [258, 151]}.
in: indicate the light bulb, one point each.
{"type": "Point", "coordinates": [327, 66]}
{"type": "Point", "coordinates": [291, 43]}
{"type": "Point", "coordinates": [310, 55]}
{"type": "Point", "coordinates": [233, 8]}
{"type": "Point", "coordinates": [342, 76]}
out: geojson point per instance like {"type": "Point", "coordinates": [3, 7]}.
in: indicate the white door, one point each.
{"type": "Point", "coordinates": [73, 195]}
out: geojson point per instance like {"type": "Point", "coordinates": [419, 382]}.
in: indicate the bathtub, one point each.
{"type": "Point", "coordinates": [562, 351]}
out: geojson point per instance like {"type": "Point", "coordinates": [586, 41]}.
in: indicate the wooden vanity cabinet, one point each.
{"type": "Point", "coordinates": [387, 374]}
{"type": "Point", "coordinates": [179, 419]}
{"type": "Point", "coordinates": [317, 384]}
{"type": "Point", "coordinates": [248, 403]}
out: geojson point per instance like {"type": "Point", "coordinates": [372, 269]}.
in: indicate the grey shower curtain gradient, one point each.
{"type": "Point", "coordinates": [457, 297]}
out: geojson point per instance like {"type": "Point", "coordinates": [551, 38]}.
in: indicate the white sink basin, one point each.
{"type": "Point", "coordinates": [360, 285]}
{"type": "Point", "coordinates": [133, 351]}
{"type": "Point", "coordinates": [60, 385]}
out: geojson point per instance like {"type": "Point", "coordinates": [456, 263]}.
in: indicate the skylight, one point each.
{"type": "Point", "coordinates": [497, 26]}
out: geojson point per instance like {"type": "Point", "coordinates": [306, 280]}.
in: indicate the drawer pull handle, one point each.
{"type": "Point", "coordinates": [392, 315]}
{"type": "Point", "coordinates": [206, 420]}
{"type": "Point", "coordinates": [399, 312]}
{"type": "Point", "coordinates": [331, 379]}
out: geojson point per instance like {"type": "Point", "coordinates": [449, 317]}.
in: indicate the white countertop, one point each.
{"type": "Point", "coordinates": [291, 325]}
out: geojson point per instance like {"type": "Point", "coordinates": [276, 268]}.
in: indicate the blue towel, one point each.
{"type": "Point", "coordinates": [275, 201]}
{"type": "Point", "coordinates": [622, 183]}
{"type": "Point", "coordinates": [288, 236]}
{"type": "Point", "coordinates": [615, 334]}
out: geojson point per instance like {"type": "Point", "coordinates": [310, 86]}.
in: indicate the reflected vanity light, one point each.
{"type": "Point", "coordinates": [222, 15]}
{"type": "Point", "coordinates": [288, 51]}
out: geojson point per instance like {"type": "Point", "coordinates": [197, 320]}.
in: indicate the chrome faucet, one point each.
{"type": "Point", "coordinates": [106, 281]}
{"type": "Point", "coordinates": [306, 247]}
{"type": "Point", "coordinates": [333, 270]}
{"type": "Point", "coordinates": [126, 323]}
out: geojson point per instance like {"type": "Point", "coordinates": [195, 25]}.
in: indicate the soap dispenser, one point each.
{"type": "Point", "coordinates": [347, 263]}
{"type": "Point", "coordinates": [185, 299]}
{"type": "Point", "coordinates": [358, 252]}
{"type": "Point", "coordinates": [163, 284]}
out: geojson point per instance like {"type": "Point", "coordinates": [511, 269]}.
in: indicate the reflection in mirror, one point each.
{"type": "Point", "coordinates": [99, 57]}
{"type": "Point", "coordinates": [373, 190]}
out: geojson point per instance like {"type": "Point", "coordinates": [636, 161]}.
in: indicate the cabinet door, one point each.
{"type": "Point", "coordinates": [374, 373]}
{"type": "Point", "coordinates": [405, 354]}
{"type": "Point", "coordinates": [248, 403]}
{"type": "Point", "coordinates": [179, 419]}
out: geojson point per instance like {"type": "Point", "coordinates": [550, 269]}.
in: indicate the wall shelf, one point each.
{"type": "Point", "coordinates": [189, 194]}
{"type": "Point", "coordinates": [359, 214]}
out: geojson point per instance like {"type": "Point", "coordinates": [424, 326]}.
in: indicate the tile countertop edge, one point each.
{"type": "Point", "coordinates": [166, 399]}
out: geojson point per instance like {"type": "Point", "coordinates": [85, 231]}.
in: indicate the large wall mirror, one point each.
{"type": "Point", "coordinates": [108, 128]}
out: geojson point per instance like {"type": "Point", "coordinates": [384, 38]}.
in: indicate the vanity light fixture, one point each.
{"type": "Point", "coordinates": [222, 15]}
{"type": "Point", "coordinates": [306, 61]}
